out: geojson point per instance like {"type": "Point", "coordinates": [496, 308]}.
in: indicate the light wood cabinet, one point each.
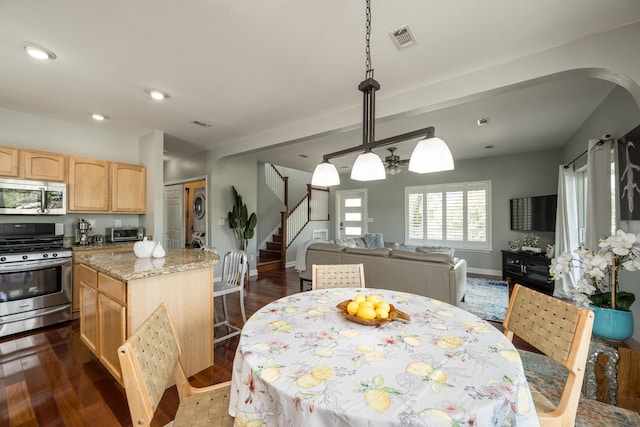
{"type": "Point", "coordinates": [103, 320]}
{"type": "Point", "coordinates": [88, 293]}
{"type": "Point", "coordinates": [9, 162]}
{"type": "Point", "coordinates": [88, 185]}
{"type": "Point", "coordinates": [101, 186]}
{"type": "Point", "coordinates": [113, 309]}
{"type": "Point", "coordinates": [30, 164]}
{"type": "Point", "coordinates": [93, 185]}
{"type": "Point", "coordinates": [79, 273]}
{"type": "Point", "coordinates": [128, 188]}
{"type": "Point", "coordinates": [43, 166]}
{"type": "Point", "coordinates": [112, 323]}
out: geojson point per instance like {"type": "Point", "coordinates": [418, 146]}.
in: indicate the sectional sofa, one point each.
{"type": "Point", "coordinates": [422, 271]}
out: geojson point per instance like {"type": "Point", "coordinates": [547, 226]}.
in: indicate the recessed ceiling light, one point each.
{"type": "Point", "coordinates": [488, 147]}
{"type": "Point", "coordinates": [98, 117]}
{"type": "Point", "coordinates": [39, 52]}
{"type": "Point", "coordinates": [157, 95]}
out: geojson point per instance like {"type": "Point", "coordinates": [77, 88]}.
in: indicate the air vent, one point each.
{"type": "Point", "coordinates": [202, 124]}
{"type": "Point", "coordinates": [403, 37]}
{"type": "Point", "coordinates": [483, 121]}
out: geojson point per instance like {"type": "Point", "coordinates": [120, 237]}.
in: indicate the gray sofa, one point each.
{"type": "Point", "coordinates": [435, 275]}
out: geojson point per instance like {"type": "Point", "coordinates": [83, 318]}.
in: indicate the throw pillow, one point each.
{"type": "Point", "coordinates": [436, 250]}
{"type": "Point", "coordinates": [373, 240]}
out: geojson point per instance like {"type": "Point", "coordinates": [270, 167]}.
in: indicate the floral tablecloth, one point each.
{"type": "Point", "coordinates": [301, 363]}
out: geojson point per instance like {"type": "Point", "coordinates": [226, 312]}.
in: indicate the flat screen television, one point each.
{"type": "Point", "coordinates": [534, 213]}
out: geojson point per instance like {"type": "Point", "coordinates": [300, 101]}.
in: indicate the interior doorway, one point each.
{"type": "Point", "coordinates": [186, 216]}
{"type": "Point", "coordinates": [195, 213]}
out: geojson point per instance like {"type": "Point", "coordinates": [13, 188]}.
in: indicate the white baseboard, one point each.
{"type": "Point", "coordinates": [484, 271]}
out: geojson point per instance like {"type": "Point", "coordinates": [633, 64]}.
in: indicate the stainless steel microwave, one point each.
{"type": "Point", "coordinates": [21, 197]}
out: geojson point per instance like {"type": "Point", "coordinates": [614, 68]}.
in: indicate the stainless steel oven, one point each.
{"type": "Point", "coordinates": [35, 277]}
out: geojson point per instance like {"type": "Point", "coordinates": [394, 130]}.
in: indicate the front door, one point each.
{"type": "Point", "coordinates": [351, 213]}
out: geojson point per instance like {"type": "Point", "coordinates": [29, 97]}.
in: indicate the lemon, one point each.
{"type": "Point", "coordinates": [323, 372]}
{"type": "Point", "coordinates": [373, 298]}
{"type": "Point", "coordinates": [352, 307]}
{"type": "Point", "coordinates": [308, 381]}
{"type": "Point", "coordinates": [377, 400]}
{"type": "Point", "coordinates": [270, 375]}
{"type": "Point", "coordinates": [359, 298]}
{"type": "Point", "coordinates": [366, 313]}
{"type": "Point", "coordinates": [383, 305]}
{"type": "Point", "coordinates": [382, 314]}
{"type": "Point", "coordinates": [366, 304]}
{"type": "Point", "coordinates": [450, 342]}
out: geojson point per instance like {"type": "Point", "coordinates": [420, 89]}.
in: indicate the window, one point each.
{"type": "Point", "coordinates": [581, 190]}
{"type": "Point", "coordinates": [456, 215]}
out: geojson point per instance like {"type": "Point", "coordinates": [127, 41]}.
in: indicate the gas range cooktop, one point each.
{"type": "Point", "coordinates": [21, 242]}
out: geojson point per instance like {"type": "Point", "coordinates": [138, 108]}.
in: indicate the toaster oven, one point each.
{"type": "Point", "coordinates": [124, 234]}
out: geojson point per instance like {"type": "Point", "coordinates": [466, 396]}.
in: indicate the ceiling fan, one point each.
{"type": "Point", "coordinates": [393, 163]}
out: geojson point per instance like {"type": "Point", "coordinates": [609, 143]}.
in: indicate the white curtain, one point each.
{"type": "Point", "coordinates": [566, 226]}
{"type": "Point", "coordinates": [598, 215]}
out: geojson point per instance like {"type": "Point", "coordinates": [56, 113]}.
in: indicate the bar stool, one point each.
{"type": "Point", "coordinates": [234, 267]}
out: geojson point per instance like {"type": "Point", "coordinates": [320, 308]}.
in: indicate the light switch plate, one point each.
{"type": "Point", "coordinates": [220, 221]}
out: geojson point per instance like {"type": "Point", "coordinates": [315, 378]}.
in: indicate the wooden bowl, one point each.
{"type": "Point", "coordinates": [393, 314]}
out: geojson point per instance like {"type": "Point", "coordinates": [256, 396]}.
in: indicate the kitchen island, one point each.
{"type": "Point", "coordinates": [118, 291]}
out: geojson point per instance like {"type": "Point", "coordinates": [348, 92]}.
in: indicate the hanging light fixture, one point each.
{"type": "Point", "coordinates": [368, 166]}
{"type": "Point", "coordinates": [431, 155]}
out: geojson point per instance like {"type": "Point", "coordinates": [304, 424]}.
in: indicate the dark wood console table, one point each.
{"type": "Point", "coordinates": [528, 269]}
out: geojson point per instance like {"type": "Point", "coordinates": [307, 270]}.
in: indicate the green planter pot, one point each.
{"type": "Point", "coordinates": [612, 325]}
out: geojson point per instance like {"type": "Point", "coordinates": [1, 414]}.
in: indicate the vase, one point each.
{"type": "Point", "coordinates": [614, 325]}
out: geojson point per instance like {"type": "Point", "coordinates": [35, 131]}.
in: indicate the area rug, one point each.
{"type": "Point", "coordinates": [486, 298]}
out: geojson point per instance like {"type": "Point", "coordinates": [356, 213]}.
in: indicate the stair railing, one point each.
{"type": "Point", "coordinates": [314, 206]}
{"type": "Point", "coordinates": [277, 183]}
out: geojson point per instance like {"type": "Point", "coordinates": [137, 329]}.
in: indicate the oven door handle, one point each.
{"type": "Point", "coordinates": [30, 265]}
{"type": "Point", "coordinates": [31, 315]}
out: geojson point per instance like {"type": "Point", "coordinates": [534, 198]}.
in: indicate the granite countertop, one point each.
{"type": "Point", "coordinates": [126, 266]}
{"type": "Point", "coordinates": [101, 246]}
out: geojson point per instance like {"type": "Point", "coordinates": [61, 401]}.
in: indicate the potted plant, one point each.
{"type": "Point", "coordinates": [530, 242]}
{"type": "Point", "coordinates": [242, 224]}
{"type": "Point", "coordinates": [598, 287]}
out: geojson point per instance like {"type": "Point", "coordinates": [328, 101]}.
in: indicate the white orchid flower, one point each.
{"type": "Point", "coordinates": [585, 286]}
{"type": "Point", "coordinates": [631, 265]}
{"type": "Point", "coordinates": [581, 251]}
{"type": "Point", "coordinates": [595, 273]}
{"type": "Point", "coordinates": [600, 261]}
{"type": "Point", "coordinates": [606, 243]}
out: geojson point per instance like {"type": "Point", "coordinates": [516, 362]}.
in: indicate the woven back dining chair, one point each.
{"type": "Point", "coordinates": [150, 360]}
{"type": "Point", "coordinates": [325, 276]}
{"type": "Point", "coordinates": [561, 331]}
{"type": "Point", "coordinates": [234, 269]}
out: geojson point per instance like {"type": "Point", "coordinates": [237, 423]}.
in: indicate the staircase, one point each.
{"type": "Point", "coordinates": [270, 259]}
{"type": "Point", "coordinates": [313, 206]}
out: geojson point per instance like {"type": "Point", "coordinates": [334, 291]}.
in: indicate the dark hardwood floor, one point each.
{"type": "Point", "coordinates": [49, 377]}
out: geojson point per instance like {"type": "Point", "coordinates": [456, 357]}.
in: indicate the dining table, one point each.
{"type": "Point", "coordinates": [301, 362]}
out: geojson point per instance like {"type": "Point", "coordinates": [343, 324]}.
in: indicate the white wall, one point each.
{"type": "Point", "coordinates": [222, 175]}
{"type": "Point", "coordinates": [151, 152]}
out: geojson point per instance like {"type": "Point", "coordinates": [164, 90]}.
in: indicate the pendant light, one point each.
{"type": "Point", "coordinates": [431, 154]}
